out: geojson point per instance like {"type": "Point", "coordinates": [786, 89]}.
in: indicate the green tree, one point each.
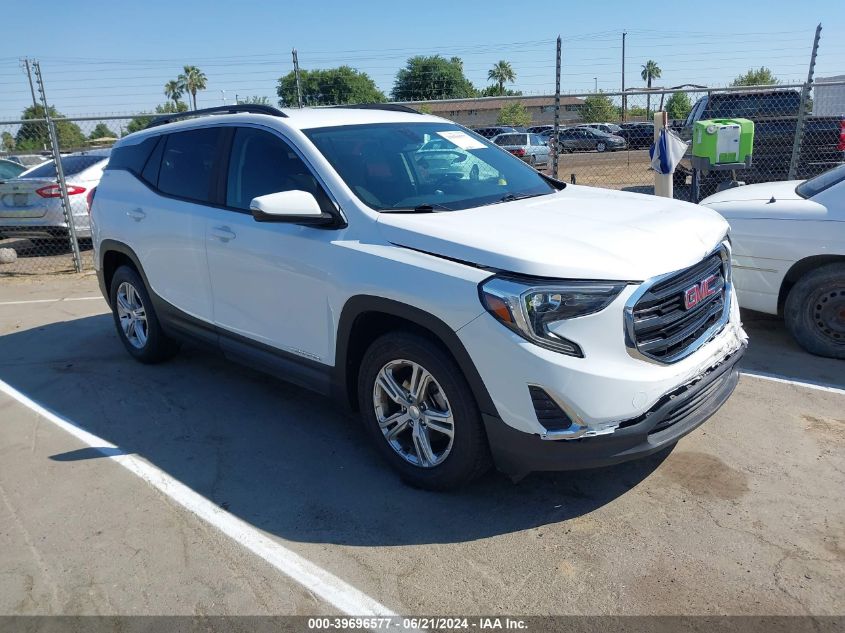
{"type": "Point", "coordinates": [429, 78]}
{"type": "Point", "coordinates": [678, 105]}
{"type": "Point", "coordinates": [7, 142]}
{"type": "Point", "coordinates": [34, 136]}
{"type": "Point", "coordinates": [635, 112]}
{"type": "Point", "coordinates": [493, 91]}
{"type": "Point", "coordinates": [424, 109]}
{"type": "Point", "coordinates": [173, 89]}
{"type": "Point", "coordinates": [650, 71]}
{"type": "Point", "coordinates": [255, 100]}
{"type": "Point", "coordinates": [142, 121]}
{"type": "Point", "coordinates": [502, 73]}
{"type": "Point", "coordinates": [192, 80]}
{"type": "Point", "coordinates": [514, 114]}
{"type": "Point", "coordinates": [760, 77]}
{"type": "Point", "coordinates": [598, 108]}
{"type": "Point", "coordinates": [331, 86]}
{"type": "Point", "coordinates": [101, 130]}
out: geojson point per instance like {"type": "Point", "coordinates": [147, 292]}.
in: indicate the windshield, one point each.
{"type": "Point", "coordinates": [393, 166]}
{"type": "Point", "coordinates": [71, 165]}
{"type": "Point", "coordinates": [810, 188]}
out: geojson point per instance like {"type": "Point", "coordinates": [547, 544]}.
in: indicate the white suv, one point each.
{"type": "Point", "coordinates": [472, 309]}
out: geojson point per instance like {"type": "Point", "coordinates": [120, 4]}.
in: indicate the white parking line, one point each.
{"type": "Point", "coordinates": [819, 386]}
{"type": "Point", "coordinates": [18, 303]}
{"type": "Point", "coordinates": [330, 588]}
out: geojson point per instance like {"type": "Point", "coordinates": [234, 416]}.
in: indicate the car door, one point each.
{"type": "Point", "coordinates": [269, 279]}
{"type": "Point", "coordinates": [160, 211]}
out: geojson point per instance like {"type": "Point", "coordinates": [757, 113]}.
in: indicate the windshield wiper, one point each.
{"type": "Point", "coordinates": [512, 196]}
{"type": "Point", "coordinates": [430, 207]}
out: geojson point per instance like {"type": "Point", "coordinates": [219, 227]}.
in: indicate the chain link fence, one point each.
{"type": "Point", "coordinates": [604, 141]}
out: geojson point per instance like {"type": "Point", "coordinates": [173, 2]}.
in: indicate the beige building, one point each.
{"type": "Point", "coordinates": [484, 111]}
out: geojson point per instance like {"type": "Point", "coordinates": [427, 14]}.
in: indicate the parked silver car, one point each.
{"type": "Point", "coordinates": [31, 205]}
{"type": "Point", "coordinates": [532, 148]}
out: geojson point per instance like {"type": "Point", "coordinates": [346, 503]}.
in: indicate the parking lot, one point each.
{"type": "Point", "coordinates": [200, 487]}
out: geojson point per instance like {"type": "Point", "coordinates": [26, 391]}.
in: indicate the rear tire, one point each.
{"type": "Point", "coordinates": [136, 321]}
{"type": "Point", "coordinates": [395, 419]}
{"type": "Point", "coordinates": [815, 311]}
{"type": "Point", "coordinates": [532, 160]}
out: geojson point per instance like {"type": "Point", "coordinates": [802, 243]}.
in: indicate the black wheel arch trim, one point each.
{"type": "Point", "coordinates": [358, 305]}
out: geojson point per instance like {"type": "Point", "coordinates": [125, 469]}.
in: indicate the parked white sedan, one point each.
{"type": "Point", "coordinates": [789, 254]}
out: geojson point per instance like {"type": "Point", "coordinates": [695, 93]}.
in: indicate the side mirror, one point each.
{"type": "Point", "coordinates": [297, 207]}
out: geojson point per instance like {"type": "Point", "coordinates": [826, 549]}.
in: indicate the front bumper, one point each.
{"type": "Point", "coordinates": [668, 420]}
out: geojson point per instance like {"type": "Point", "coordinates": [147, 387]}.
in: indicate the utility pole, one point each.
{"type": "Point", "coordinates": [223, 96]}
{"type": "Point", "coordinates": [60, 174]}
{"type": "Point", "coordinates": [624, 98]}
{"type": "Point", "coordinates": [296, 73]}
{"type": "Point", "coordinates": [31, 88]}
{"type": "Point", "coordinates": [802, 108]}
{"type": "Point", "coordinates": [556, 128]}
{"type": "Point", "coordinates": [595, 84]}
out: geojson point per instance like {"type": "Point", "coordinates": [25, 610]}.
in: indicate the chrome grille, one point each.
{"type": "Point", "coordinates": [658, 324]}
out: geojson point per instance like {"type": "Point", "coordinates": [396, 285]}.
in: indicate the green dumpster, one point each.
{"type": "Point", "coordinates": [718, 143]}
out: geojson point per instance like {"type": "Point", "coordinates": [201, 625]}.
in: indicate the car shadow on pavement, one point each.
{"type": "Point", "coordinates": [281, 458]}
{"type": "Point", "coordinates": [772, 350]}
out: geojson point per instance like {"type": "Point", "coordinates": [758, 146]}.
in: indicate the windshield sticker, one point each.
{"type": "Point", "coordinates": [461, 139]}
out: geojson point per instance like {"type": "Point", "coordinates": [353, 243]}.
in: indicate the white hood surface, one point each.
{"type": "Point", "coordinates": [765, 191]}
{"type": "Point", "coordinates": [577, 233]}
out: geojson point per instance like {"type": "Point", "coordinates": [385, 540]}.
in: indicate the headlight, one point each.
{"type": "Point", "coordinates": [531, 309]}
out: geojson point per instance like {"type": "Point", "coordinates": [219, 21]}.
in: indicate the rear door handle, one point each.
{"type": "Point", "coordinates": [136, 214]}
{"type": "Point", "coordinates": [222, 233]}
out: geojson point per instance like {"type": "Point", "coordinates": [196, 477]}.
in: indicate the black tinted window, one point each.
{"type": "Point", "coordinates": [187, 165]}
{"type": "Point", "coordinates": [150, 172]}
{"type": "Point", "coordinates": [262, 163]}
{"type": "Point", "coordinates": [71, 165]}
{"type": "Point", "coordinates": [132, 157]}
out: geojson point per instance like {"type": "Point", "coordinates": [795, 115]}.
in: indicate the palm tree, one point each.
{"type": "Point", "coordinates": [192, 80]}
{"type": "Point", "coordinates": [173, 90]}
{"type": "Point", "coordinates": [650, 71]}
{"type": "Point", "coordinates": [500, 73]}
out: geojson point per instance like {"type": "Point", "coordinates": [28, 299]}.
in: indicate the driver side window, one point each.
{"type": "Point", "coordinates": [262, 163]}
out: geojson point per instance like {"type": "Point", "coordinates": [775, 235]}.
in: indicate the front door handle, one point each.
{"type": "Point", "coordinates": [136, 214]}
{"type": "Point", "coordinates": [222, 233]}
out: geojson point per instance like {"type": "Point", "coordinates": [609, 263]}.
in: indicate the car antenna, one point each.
{"type": "Point", "coordinates": [772, 200]}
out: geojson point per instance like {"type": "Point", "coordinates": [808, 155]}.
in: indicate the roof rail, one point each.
{"type": "Point", "coordinates": [254, 108]}
{"type": "Point", "coordinates": [394, 107]}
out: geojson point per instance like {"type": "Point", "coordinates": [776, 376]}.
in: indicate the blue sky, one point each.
{"type": "Point", "coordinates": [109, 57]}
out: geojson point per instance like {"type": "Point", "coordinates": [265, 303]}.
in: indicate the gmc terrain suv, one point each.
{"type": "Point", "coordinates": [473, 310]}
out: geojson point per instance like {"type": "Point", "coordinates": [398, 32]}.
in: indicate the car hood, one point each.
{"type": "Point", "coordinates": [784, 190]}
{"type": "Point", "coordinates": [579, 232]}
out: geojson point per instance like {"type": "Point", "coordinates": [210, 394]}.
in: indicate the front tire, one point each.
{"type": "Point", "coordinates": [420, 412]}
{"type": "Point", "coordinates": [136, 321]}
{"type": "Point", "coordinates": [815, 311]}
{"type": "Point", "coordinates": [601, 146]}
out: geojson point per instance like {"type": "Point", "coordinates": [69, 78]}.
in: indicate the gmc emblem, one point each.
{"type": "Point", "coordinates": [699, 292]}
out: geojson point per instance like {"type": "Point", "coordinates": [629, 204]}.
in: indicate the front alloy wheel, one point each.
{"type": "Point", "coordinates": [413, 413]}
{"type": "Point", "coordinates": [420, 412]}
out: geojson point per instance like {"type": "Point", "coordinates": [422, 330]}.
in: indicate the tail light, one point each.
{"type": "Point", "coordinates": [90, 197]}
{"type": "Point", "coordinates": [518, 152]}
{"type": "Point", "coordinates": [841, 146]}
{"type": "Point", "coordinates": [54, 191]}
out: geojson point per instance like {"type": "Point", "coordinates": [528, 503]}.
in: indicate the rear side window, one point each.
{"type": "Point", "coordinates": [188, 163]}
{"type": "Point", "coordinates": [132, 157]}
{"type": "Point", "coordinates": [262, 163]}
{"type": "Point", "coordinates": [71, 165]}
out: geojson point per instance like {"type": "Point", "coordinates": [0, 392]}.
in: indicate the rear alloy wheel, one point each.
{"type": "Point", "coordinates": [532, 160]}
{"type": "Point", "coordinates": [420, 412]}
{"type": "Point", "coordinates": [135, 319]}
{"type": "Point", "coordinates": [815, 311]}
{"type": "Point", "coordinates": [601, 146]}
